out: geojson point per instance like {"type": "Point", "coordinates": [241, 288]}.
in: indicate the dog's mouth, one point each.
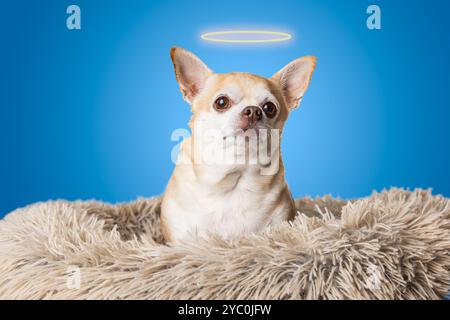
{"type": "Point", "coordinates": [253, 129]}
{"type": "Point", "coordinates": [250, 126]}
{"type": "Point", "coordinates": [245, 124]}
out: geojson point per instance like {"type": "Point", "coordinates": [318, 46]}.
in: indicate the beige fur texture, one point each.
{"type": "Point", "coordinates": [391, 245]}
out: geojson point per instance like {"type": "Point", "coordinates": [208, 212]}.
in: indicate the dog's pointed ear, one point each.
{"type": "Point", "coordinates": [294, 79]}
{"type": "Point", "coordinates": [190, 71]}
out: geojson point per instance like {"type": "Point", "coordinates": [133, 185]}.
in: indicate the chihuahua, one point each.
{"type": "Point", "coordinates": [229, 177]}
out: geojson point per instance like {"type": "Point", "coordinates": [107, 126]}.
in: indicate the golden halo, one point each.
{"type": "Point", "coordinates": [212, 36]}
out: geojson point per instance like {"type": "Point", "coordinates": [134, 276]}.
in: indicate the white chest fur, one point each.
{"type": "Point", "coordinates": [230, 201]}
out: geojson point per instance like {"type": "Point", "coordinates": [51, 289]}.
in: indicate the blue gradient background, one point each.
{"type": "Point", "coordinates": [89, 113]}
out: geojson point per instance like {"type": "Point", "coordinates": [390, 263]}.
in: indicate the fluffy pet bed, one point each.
{"type": "Point", "coordinates": [391, 245]}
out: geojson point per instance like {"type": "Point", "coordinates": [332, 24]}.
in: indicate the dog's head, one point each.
{"type": "Point", "coordinates": [235, 102]}
{"type": "Point", "coordinates": [238, 117]}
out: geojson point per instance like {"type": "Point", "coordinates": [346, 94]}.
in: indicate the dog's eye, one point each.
{"type": "Point", "coordinates": [269, 109]}
{"type": "Point", "coordinates": [222, 103]}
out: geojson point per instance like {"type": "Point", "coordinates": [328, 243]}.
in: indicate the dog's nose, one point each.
{"type": "Point", "coordinates": [252, 113]}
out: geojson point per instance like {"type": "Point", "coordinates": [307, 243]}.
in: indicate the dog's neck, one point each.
{"type": "Point", "coordinates": [227, 174]}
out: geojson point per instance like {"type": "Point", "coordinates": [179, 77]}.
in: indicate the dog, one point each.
{"type": "Point", "coordinates": [231, 198]}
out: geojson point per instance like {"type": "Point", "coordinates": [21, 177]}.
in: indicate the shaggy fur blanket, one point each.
{"type": "Point", "coordinates": [391, 245]}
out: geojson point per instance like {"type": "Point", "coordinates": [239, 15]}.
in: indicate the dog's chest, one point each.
{"type": "Point", "coordinates": [242, 209]}
{"type": "Point", "coordinates": [240, 204]}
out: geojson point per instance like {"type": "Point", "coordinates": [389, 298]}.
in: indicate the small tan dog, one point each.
{"type": "Point", "coordinates": [237, 197]}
